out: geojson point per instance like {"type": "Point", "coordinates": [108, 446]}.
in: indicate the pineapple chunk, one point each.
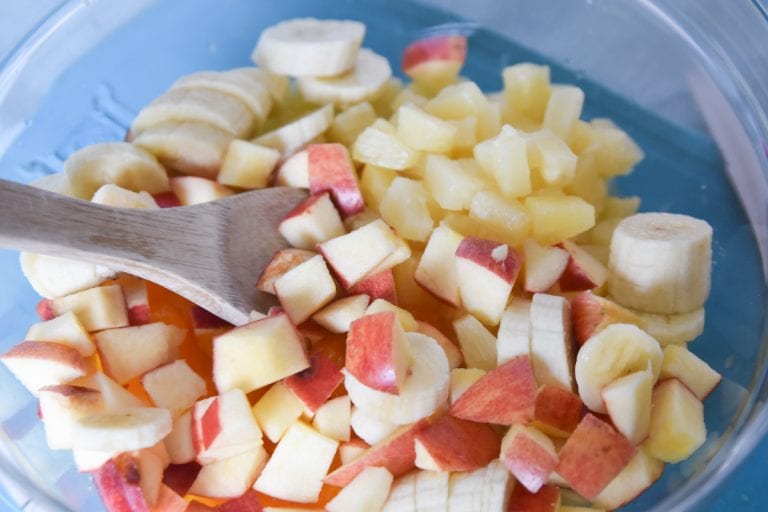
{"type": "Point", "coordinates": [588, 184]}
{"type": "Point", "coordinates": [505, 215]}
{"type": "Point", "coordinates": [374, 183]}
{"type": "Point", "coordinates": [620, 206]}
{"type": "Point", "coordinates": [458, 101]}
{"type": "Point", "coordinates": [558, 217]}
{"type": "Point", "coordinates": [677, 422]}
{"type": "Point", "coordinates": [526, 94]}
{"type": "Point", "coordinates": [489, 121]}
{"type": "Point", "coordinates": [466, 136]}
{"type": "Point", "coordinates": [404, 207]}
{"type": "Point", "coordinates": [379, 145]}
{"type": "Point", "coordinates": [563, 109]}
{"type": "Point", "coordinates": [407, 96]}
{"type": "Point", "coordinates": [382, 103]}
{"type": "Point", "coordinates": [424, 132]}
{"type": "Point", "coordinates": [615, 152]}
{"type": "Point", "coordinates": [452, 184]}
{"type": "Point", "coordinates": [247, 165]}
{"type": "Point", "coordinates": [552, 157]}
{"type": "Point", "coordinates": [348, 125]}
{"type": "Point", "coordinates": [470, 226]}
{"type": "Point", "coordinates": [505, 158]}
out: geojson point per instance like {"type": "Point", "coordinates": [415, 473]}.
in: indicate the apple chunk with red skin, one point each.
{"type": "Point", "coordinates": [641, 472]}
{"type": "Point", "coordinates": [529, 455]}
{"type": "Point", "coordinates": [380, 285]}
{"type": "Point", "coordinates": [557, 411]}
{"type": "Point", "coordinates": [131, 481]}
{"type": "Point", "coordinates": [330, 169]}
{"type": "Point", "coordinates": [313, 221]}
{"type": "Point", "coordinates": [282, 261]}
{"type": "Point", "coordinates": [547, 499]}
{"type": "Point", "coordinates": [504, 396]}
{"type": "Point", "coordinates": [583, 272]}
{"type": "Point", "coordinates": [435, 60]}
{"type": "Point", "coordinates": [592, 313]}
{"type": "Point", "coordinates": [486, 272]}
{"type": "Point", "coordinates": [315, 385]}
{"type": "Point", "coordinates": [543, 265]}
{"type": "Point", "coordinates": [136, 300]}
{"type": "Point", "coordinates": [224, 426]}
{"type": "Point", "coordinates": [41, 363]}
{"type": "Point", "coordinates": [305, 289]}
{"type": "Point", "coordinates": [593, 456]}
{"type": "Point", "coordinates": [378, 353]}
{"type": "Point", "coordinates": [453, 444]}
{"type": "Point", "coordinates": [436, 271]}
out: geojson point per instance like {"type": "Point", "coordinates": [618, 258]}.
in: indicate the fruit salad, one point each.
{"type": "Point", "coordinates": [465, 318]}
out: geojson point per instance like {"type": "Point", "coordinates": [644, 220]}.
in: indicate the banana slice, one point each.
{"type": "Point", "coordinates": [673, 329]}
{"type": "Point", "coordinates": [309, 47]}
{"type": "Point", "coordinates": [219, 109]}
{"type": "Point", "coordinates": [369, 75]}
{"type": "Point", "coordinates": [246, 88]}
{"type": "Point", "coordinates": [293, 136]}
{"type": "Point", "coordinates": [616, 351]}
{"type": "Point", "coordinates": [423, 392]}
{"type": "Point", "coordinates": [277, 85]}
{"type": "Point", "coordinates": [125, 430]}
{"type": "Point", "coordinates": [402, 494]}
{"type": "Point", "coordinates": [431, 490]}
{"type": "Point", "coordinates": [119, 163]}
{"type": "Point", "coordinates": [188, 148]}
{"type": "Point", "coordinates": [661, 263]}
{"type": "Point", "coordinates": [484, 490]}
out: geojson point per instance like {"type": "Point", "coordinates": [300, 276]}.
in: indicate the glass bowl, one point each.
{"type": "Point", "coordinates": [686, 78]}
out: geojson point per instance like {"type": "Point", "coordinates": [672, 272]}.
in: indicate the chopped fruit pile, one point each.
{"type": "Point", "coordinates": [468, 320]}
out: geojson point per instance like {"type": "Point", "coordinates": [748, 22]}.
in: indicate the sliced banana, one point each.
{"type": "Point", "coordinates": [294, 136]}
{"type": "Point", "coordinates": [277, 85]}
{"type": "Point", "coordinates": [402, 494]}
{"type": "Point", "coordinates": [484, 490]}
{"type": "Point", "coordinates": [119, 163]}
{"type": "Point", "coordinates": [125, 430]}
{"type": "Point", "coordinates": [431, 490]}
{"type": "Point", "coordinates": [661, 263]}
{"type": "Point", "coordinates": [309, 47]}
{"type": "Point", "coordinates": [188, 148]}
{"type": "Point", "coordinates": [363, 82]}
{"type": "Point", "coordinates": [674, 329]}
{"type": "Point", "coordinates": [616, 351]}
{"type": "Point", "coordinates": [200, 104]}
{"type": "Point", "coordinates": [423, 392]}
{"type": "Point", "coordinates": [251, 91]}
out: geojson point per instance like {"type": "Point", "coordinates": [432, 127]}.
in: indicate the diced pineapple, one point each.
{"type": "Point", "coordinates": [505, 158]}
{"type": "Point", "coordinates": [466, 135]}
{"type": "Point", "coordinates": [247, 165]}
{"type": "Point", "coordinates": [374, 183]}
{"type": "Point", "coordinates": [563, 109]}
{"type": "Point", "coordinates": [404, 207]}
{"type": "Point", "coordinates": [458, 101]}
{"type": "Point", "coordinates": [580, 137]}
{"type": "Point", "coordinates": [489, 121]}
{"type": "Point", "coordinates": [555, 161]}
{"type": "Point", "coordinates": [469, 226]}
{"type": "Point", "coordinates": [602, 232]}
{"type": "Point", "coordinates": [423, 131]}
{"type": "Point", "coordinates": [556, 218]}
{"type": "Point", "coordinates": [526, 93]}
{"type": "Point", "coordinates": [382, 104]}
{"type": "Point", "coordinates": [588, 184]}
{"type": "Point", "coordinates": [348, 125]}
{"type": "Point", "coordinates": [620, 207]}
{"type": "Point", "coordinates": [677, 422]}
{"type": "Point", "coordinates": [378, 145]}
{"type": "Point", "coordinates": [408, 96]}
{"type": "Point", "coordinates": [505, 215]}
{"type": "Point", "coordinates": [615, 152]}
{"type": "Point", "coordinates": [452, 184]}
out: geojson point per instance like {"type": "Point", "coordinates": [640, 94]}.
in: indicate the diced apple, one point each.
{"type": "Point", "coordinates": [118, 197]}
{"type": "Point", "coordinates": [367, 250]}
{"type": "Point", "coordinates": [313, 221]}
{"type": "Point", "coordinates": [65, 330]}
{"type": "Point", "coordinates": [42, 363]}
{"type": "Point", "coordinates": [487, 272]}
{"type": "Point", "coordinates": [169, 501]}
{"type": "Point", "coordinates": [452, 352]}
{"type": "Point", "coordinates": [437, 268]}
{"type": "Point", "coordinates": [231, 477]}
{"type": "Point", "coordinates": [505, 215]}
{"type": "Point", "coordinates": [331, 169]}
{"type": "Point", "coordinates": [406, 319]}
{"type": "Point", "coordinates": [338, 315]}
{"type": "Point", "coordinates": [435, 61]}
{"type": "Point", "coordinates": [628, 401]}
{"type": "Point", "coordinates": [351, 450]}
{"type": "Point", "coordinates": [404, 207]}
{"type": "Point", "coordinates": [377, 286]}
{"type": "Point", "coordinates": [180, 442]}
{"type": "Point", "coordinates": [451, 184]}
{"type": "Point", "coordinates": [305, 289]}
{"type": "Point", "coordinates": [257, 354]}
{"type": "Point", "coordinates": [557, 412]}
{"type": "Point", "coordinates": [174, 386]}
{"type": "Point", "coordinates": [367, 491]}
{"type": "Point", "coordinates": [544, 265]}
{"type": "Point", "coordinates": [477, 344]}
{"type": "Point", "coordinates": [314, 385]}
{"type": "Point", "coordinates": [547, 499]}
{"type": "Point", "coordinates": [593, 456]}
{"type": "Point", "coordinates": [115, 396]}
{"type": "Point", "coordinates": [379, 145]}
{"type": "Point", "coordinates": [684, 365]}
{"type": "Point", "coordinates": [97, 308]}
{"type": "Point", "coordinates": [166, 200]}
{"type": "Point", "coordinates": [123, 483]}
{"type": "Point", "coordinates": [333, 418]}
{"type": "Point", "coordinates": [526, 93]}
{"type": "Point", "coordinates": [136, 299]}
{"type": "Point", "coordinates": [277, 410]}
{"type": "Point", "coordinates": [584, 271]}
{"type": "Point", "coordinates": [294, 171]}
{"type": "Point", "coordinates": [505, 395]}
{"type": "Point", "coordinates": [283, 261]}
{"type": "Point", "coordinates": [395, 453]}
{"type": "Point", "coordinates": [191, 190]}
{"type": "Point", "coordinates": [592, 313]}
{"type": "Point", "coordinates": [551, 341]}
{"type": "Point", "coordinates": [224, 426]}
{"type": "Point", "coordinates": [298, 465]}
{"type": "Point", "coordinates": [129, 352]}
{"type": "Point", "coordinates": [557, 218]}
{"type": "Point", "coordinates": [60, 405]}
{"type": "Point", "coordinates": [369, 429]}
{"type": "Point", "coordinates": [453, 444]}
{"type": "Point", "coordinates": [641, 472]}
{"type": "Point", "coordinates": [462, 379]}
{"type": "Point", "coordinates": [505, 159]}
{"type": "Point", "coordinates": [529, 455]}
{"type": "Point", "coordinates": [677, 422]}
{"type": "Point", "coordinates": [247, 165]}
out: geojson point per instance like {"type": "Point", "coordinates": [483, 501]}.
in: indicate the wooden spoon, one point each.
{"type": "Point", "coordinates": [212, 253]}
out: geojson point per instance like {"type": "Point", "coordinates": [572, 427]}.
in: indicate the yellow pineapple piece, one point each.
{"type": "Point", "coordinates": [247, 165]}
{"type": "Point", "coordinates": [555, 218]}
{"type": "Point", "coordinates": [408, 96]}
{"type": "Point", "coordinates": [614, 151]}
{"type": "Point", "coordinates": [620, 207]}
{"type": "Point", "coordinates": [677, 422]}
{"type": "Point", "coordinates": [526, 93]}
{"type": "Point", "coordinates": [374, 183]}
{"type": "Point", "coordinates": [348, 125]}
{"type": "Point", "coordinates": [580, 137]}
{"type": "Point", "coordinates": [379, 145]}
{"type": "Point", "coordinates": [424, 132]}
{"type": "Point", "coordinates": [470, 226]}
{"type": "Point", "coordinates": [588, 184]}
{"type": "Point", "coordinates": [563, 109]}
{"type": "Point", "coordinates": [466, 136]}
{"type": "Point", "coordinates": [508, 216]}
{"type": "Point", "coordinates": [458, 101]}
{"type": "Point", "coordinates": [452, 183]}
{"type": "Point", "coordinates": [404, 207]}
{"type": "Point", "coordinates": [489, 121]}
{"type": "Point", "coordinates": [505, 158]}
{"type": "Point", "coordinates": [554, 160]}
{"type": "Point", "coordinates": [382, 103]}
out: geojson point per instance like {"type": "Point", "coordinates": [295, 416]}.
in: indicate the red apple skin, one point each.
{"type": "Point", "coordinates": [557, 411]}
{"type": "Point", "coordinates": [210, 425]}
{"type": "Point", "coordinates": [504, 396]}
{"type": "Point", "coordinates": [370, 348]}
{"type": "Point", "coordinates": [587, 314]}
{"type": "Point", "coordinates": [47, 350]}
{"type": "Point", "coordinates": [196, 506]}
{"type": "Point", "coordinates": [480, 251]}
{"type": "Point", "coordinates": [573, 278]}
{"type": "Point", "coordinates": [452, 48]}
{"type": "Point", "coordinates": [203, 319]}
{"type": "Point", "coordinates": [180, 477]}
{"type": "Point", "coordinates": [547, 499]}
{"type": "Point", "coordinates": [528, 461]}
{"type": "Point", "coordinates": [315, 385]}
{"type": "Point", "coordinates": [395, 453]}
{"type": "Point", "coordinates": [248, 502]}
{"type": "Point", "coordinates": [331, 169]}
{"type": "Point", "coordinates": [275, 310]}
{"type": "Point", "coordinates": [117, 481]}
{"type": "Point", "coordinates": [44, 310]}
{"type": "Point", "coordinates": [167, 200]}
{"type": "Point", "coordinates": [593, 456]}
{"type": "Point", "coordinates": [380, 285]}
{"type": "Point", "coordinates": [139, 314]}
{"type": "Point", "coordinates": [306, 205]}
{"type": "Point", "coordinates": [460, 445]}
{"type": "Point", "coordinates": [169, 501]}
